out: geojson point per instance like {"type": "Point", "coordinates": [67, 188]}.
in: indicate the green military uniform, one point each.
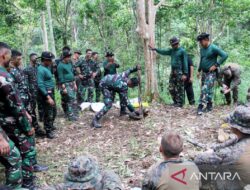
{"type": "Point", "coordinates": [87, 83]}
{"type": "Point", "coordinates": [110, 69]}
{"type": "Point", "coordinates": [12, 164]}
{"type": "Point", "coordinates": [230, 74]}
{"type": "Point", "coordinates": [112, 84]}
{"type": "Point", "coordinates": [46, 86]}
{"type": "Point", "coordinates": [161, 176]}
{"type": "Point", "coordinates": [66, 78]}
{"type": "Point", "coordinates": [233, 155]}
{"type": "Point", "coordinates": [14, 122]}
{"type": "Point", "coordinates": [208, 59]}
{"type": "Point", "coordinates": [84, 173]}
{"type": "Point", "coordinates": [95, 67]}
{"type": "Point", "coordinates": [179, 67]}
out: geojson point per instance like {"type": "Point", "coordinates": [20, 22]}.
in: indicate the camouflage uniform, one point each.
{"type": "Point", "coordinates": [31, 77]}
{"type": "Point", "coordinates": [112, 84]}
{"type": "Point", "coordinates": [233, 81]}
{"type": "Point", "coordinates": [160, 176]}
{"type": "Point", "coordinates": [95, 67]}
{"type": "Point", "coordinates": [12, 164]}
{"type": "Point", "coordinates": [84, 173]}
{"type": "Point", "coordinates": [87, 83]}
{"type": "Point", "coordinates": [233, 155]}
{"type": "Point", "coordinates": [14, 122]}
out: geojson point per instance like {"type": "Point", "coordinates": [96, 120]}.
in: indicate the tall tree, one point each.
{"type": "Point", "coordinates": [52, 39]}
{"type": "Point", "coordinates": [44, 32]}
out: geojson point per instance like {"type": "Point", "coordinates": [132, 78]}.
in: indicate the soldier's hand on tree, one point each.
{"type": "Point", "coordinates": [31, 132]}
{"type": "Point", "coordinates": [184, 78]}
{"type": "Point", "coordinates": [50, 101]}
{"type": "Point", "coordinates": [4, 146]}
{"type": "Point", "coordinates": [151, 47]}
{"type": "Point", "coordinates": [213, 68]}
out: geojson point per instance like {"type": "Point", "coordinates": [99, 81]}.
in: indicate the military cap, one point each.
{"type": "Point", "coordinates": [174, 40]}
{"type": "Point", "coordinates": [240, 119]}
{"type": "Point", "coordinates": [47, 55]}
{"type": "Point", "coordinates": [109, 54]}
{"type": "Point", "coordinates": [66, 54]}
{"type": "Point", "coordinates": [203, 36]}
{"type": "Point", "coordinates": [83, 173]}
{"type": "Point", "coordinates": [78, 52]}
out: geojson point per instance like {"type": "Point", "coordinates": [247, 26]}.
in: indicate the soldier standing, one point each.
{"type": "Point", "coordinates": [75, 59]}
{"type": "Point", "coordinates": [188, 84]}
{"type": "Point", "coordinates": [14, 120]}
{"type": "Point", "coordinates": [112, 84]}
{"type": "Point", "coordinates": [84, 173]}
{"type": "Point", "coordinates": [164, 175]}
{"type": "Point", "coordinates": [208, 66]}
{"type": "Point", "coordinates": [31, 77]}
{"type": "Point", "coordinates": [110, 66]}
{"type": "Point", "coordinates": [234, 154]}
{"type": "Point", "coordinates": [87, 77]}
{"type": "Point", "coordinates": [68, 86]}
{"type": "Point", "coordinates": [96, 68]}
{"type": "Point", "coordinates": [46, 87]}
{"type": "Point", "coordinates": [179, 70]}
{"type": "Point", "coordinates": [230, 74]}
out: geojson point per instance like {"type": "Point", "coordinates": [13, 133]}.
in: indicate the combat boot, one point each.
{"type": "Point", "coordinates": [96, 124]}
{"type": "Point", "coordinates": [200, 109]}
{"type": "Point", "coordinates": [50, 135]}
{"type": "Point", "coordinates": [123, 113]}
{"type": "Point", "coordinates": [209, 107]}
{"type": "Point", "coordinates": [39, 132]}
{"type": "Point", "coordinates": [28, 183]}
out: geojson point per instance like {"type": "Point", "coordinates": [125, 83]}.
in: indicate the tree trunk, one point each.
{"type": "Point", "coordinates": [44, 32]}
{"type": "Point", "coordinates": [52, 39]}
{"type": "Point", "coordinates": [146, 14]}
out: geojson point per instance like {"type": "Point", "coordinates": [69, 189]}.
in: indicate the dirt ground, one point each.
{"type": "Point", "coordinates": [128, 147]}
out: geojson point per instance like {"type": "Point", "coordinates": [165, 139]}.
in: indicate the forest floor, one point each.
{"type": "Point", "coordinates": [127, 147]}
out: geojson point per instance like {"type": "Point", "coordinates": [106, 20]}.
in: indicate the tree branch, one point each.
{"type": "Point", "coordinates": [160, 4]}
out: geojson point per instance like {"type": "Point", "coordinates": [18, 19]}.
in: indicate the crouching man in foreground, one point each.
{"type": "Point", "coordinates": [172, 173]}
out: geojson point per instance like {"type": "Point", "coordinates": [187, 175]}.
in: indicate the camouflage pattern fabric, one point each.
{"type": "Point", "coordinates": [40, 106]}
{"type": "Point", "coordinates": [95, 67]}
{"type": "Point", "coordinates": [69, 101]}
{"type": "Point", "coordinates": [12, 164]}
{"type": "Point", "coordinates": [49, 112]}
{"type": "Point", "coordinates": [31, 77]}
{"type": "Point", "coordinates": [87, 83]}
{"type": "Point", "coordinates": [176, 88]}
{"type": "Point", "coordinates": [15, 123]}
{"type": "Point", "coordinates": [207, 89]}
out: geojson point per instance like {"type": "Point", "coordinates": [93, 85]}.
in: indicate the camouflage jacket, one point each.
{"type": "Point", "coordinates": [117, 82]}
{"type": "Point", "coordinates": [172, 175]}
{"type": "Point", "coordinates": [109, 181]}
{"type": "Point", "coordinates": [95, 67]}
{"type": "Point", "coordinates": [20, 83]}
{"type": "Point", "coordinates": [85, 68]}
{"type": "Point", "coordinates": [12, 111]}
{"type": "Point", "coordinates": [31, 77]}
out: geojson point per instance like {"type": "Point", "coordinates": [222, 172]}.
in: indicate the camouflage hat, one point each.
{"type": "Point", "coordinates": [240, 119]}
{"type": "Point", "coordinates": [83, 173]}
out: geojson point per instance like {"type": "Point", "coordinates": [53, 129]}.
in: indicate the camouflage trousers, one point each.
{"type": "Point", "coordinates": [49, 112]}
{"type": "Point", "coordinates": [176, 88]}
{"type": "Point", "coordinates": [40, 106]}
{"type": "Point", "coordinates": [97, 91]}
{"type": "Point", "coordinates": [26, 146]}
{"type": "Point", "coordinates": [69, 101]}
{"type": "Point", "coordinates": [13, 169]}
{"type": "Point", "coordinates": [207, 89]}
{"type": "Point", "coordinates": [33, 105]}
{"type": "Point", "coordinates": [235, 91]}
{"type": "Point", "coordinates": [86, 88]}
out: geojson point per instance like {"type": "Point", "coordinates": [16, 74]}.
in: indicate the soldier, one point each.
{"type": "Point", "coordinates": [234, 154]}
{"type": "Point", "coordinates": [46, 87]}
{"type": "Point", "coordinates": [87, 77]}
{"type": "Point", "coordinates": [179, 70]}
{"type": "Point", "coordinates": [208, 66]}
{"type": "Point", "coordinates": [96, 68]}
{"type": "Point", "coordinates": [188, 84]}
{"type": "Point", "coordinates": [110, 66]}
{"type": "Point", "coordinates": [173, 173]}
{"type": "Point", "coordinates": [11, 159]}
{"type": "Point", "coordinates": [112, 84]}
{"type": "Point", "coordinates": [230, 74]}
{"type": "Point", "coordinates": [31, 77]}
{"type": "Point", "coordinates": [68, 86]}
{"type": "Point", "coordinates": [75, 59]}
{"type": "Point", "coordinates": [84, 173]}
{"type": "Point", "coordinates": [13, 118]}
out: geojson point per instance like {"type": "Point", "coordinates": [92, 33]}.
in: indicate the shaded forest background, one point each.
{"type": "Point", "coordinates": [111, 25]}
